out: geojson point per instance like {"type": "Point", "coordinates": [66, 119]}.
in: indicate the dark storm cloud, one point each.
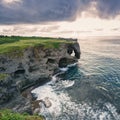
{"type": "Point", "coordinates": [35, 11]}
{"type": "Point", "coordinates": [108, 8]}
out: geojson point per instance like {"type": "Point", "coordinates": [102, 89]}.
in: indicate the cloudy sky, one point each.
{"type": "Point", "coordinates": [65, 18]}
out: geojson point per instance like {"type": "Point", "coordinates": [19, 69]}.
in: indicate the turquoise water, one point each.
{"type": "Point", "coordinates": [91, 89]}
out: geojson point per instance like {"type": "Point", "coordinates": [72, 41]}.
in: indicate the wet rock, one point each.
{"type": "Point", "coordinates": [21, 105]}
{"type": "Point", "coordinates": [19, 72]}
{"type": "Point", "coordinates": [36, 111]}
{"type": "Point", "coordinates": [118, 111]}
{"type": "Point", "coordinates": [25, 72]}
{"type": "Point", "coordinates": [50, 60]}
{"type": "Point", "coordinates": [74, 48]}
{"type": "Point", "coordinates": [34, 96]}
{"type": "Point", "coordinates": [36, 106]}
{"type": "Point", "coordinates": [35, 67]}
{"type": "Point", "coordinates": [64, 62]}
{"type": "Point", "coordinates": [2, 69]}
{"type": "Point", "coordinates": [47, 103]}
{"type": "Point", "coordinates": [7, 94]}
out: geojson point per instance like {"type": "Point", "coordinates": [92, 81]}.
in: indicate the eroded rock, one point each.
{"type": "Point", "coordinates": [47, 103]}
{"type": "Point", "coordinates": [35, 67]}
{"type": "Point", "coordinates": [64, 62]}
{"type": "Point", "coordinates": [74, 48]}
{"type": "Point", "coordinates": [36, 106]}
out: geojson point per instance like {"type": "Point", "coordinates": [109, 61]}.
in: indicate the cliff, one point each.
{"type": "Point", "coordinates": [31, 65]}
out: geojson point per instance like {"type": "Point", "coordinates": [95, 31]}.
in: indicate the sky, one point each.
{"type": "Point", "coordinates": [60, 18]}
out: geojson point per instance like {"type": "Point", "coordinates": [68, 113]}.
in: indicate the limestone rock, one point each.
{"type": "Point", "coordinates": [47, 103]}
{"type": "Point", "coordinates": [36, 106]}
{"type": "Point", "coordinates": [35, 67]}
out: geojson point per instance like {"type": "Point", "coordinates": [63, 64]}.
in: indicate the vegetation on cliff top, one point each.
{"type": "Point", "coordinates": [3, 76]}
{"type": "Point", "coordinates": [9, 115]}
{"type": "Point", "coordinates": [17, 44]}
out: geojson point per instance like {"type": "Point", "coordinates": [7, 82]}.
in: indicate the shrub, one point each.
{"type": "Point", "coordinates": [9, 115]}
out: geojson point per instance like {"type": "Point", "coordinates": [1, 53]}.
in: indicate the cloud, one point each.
{"type": "Point", "coordinates": [39, 11]}
{"type": "Point", "coordinates": [24, 29]}
{"type": "Point", "coordinates": [115, 29]}
{"type": "Point", "coordinates": [36, 11]}
{"type": "Point", "coordinates": [108, 8]}
{"type": "Point", "coordinates": [98, 29]}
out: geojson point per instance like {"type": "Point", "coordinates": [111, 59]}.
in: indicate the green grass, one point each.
{"type": "Point", "coordinates": [9, 115]}
{"type": "Point", "coordinates": [3, 76]}
{"type": "Point", "coordinates": [16, 44]}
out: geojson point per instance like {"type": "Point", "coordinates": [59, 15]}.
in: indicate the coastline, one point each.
{"type": "Point", "coordinates": [35, 67]}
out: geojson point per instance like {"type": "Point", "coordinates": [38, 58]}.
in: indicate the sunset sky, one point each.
{"type": "Point", "coordinates": [60, 18]}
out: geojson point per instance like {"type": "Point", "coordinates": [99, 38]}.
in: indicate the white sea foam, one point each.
{"type": "Point", "coordinates": [47, 91]}
{"type": "Point", "coordinates": [64, 109]}
{"type": "Point", "coordinates": [103, 115]}
{"type": "Point", "coordinates": [72, 65]}
{"type": "Point", "coordinates": [54, 78]}
{"type": "Point", "coordinates": [64, 69]}
{"type": "Point", "coordinates": [67, 83]}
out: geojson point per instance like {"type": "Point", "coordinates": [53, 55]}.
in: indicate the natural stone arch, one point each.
{"type": "Point", "coordinates": [74, 48]}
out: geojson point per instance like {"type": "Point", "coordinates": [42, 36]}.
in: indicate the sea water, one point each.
{"type": "Point", "coordinates": [90, 89]}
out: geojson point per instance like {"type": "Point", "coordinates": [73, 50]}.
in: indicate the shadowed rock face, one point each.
{"type": "Point", "coordinates": [74, 48]}
{"type": "Point", "coordinates": [65, 61]}
{"type": "Point", "coordinates": [35, 67]}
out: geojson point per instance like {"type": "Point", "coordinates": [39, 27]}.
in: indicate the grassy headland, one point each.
{"type": "Point", "coordinates": [17, 44]}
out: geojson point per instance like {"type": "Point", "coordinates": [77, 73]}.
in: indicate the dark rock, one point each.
{"type": "Point", "coordinates": [20, 66]}
{"type": "Point", "coordinates": [2, 69]}
{"type": "Point", "coordinates": [19, 72]}
{"type": "Point", "coordinates": [74, 48]}
{"type": "Point", "coordinates": [51, 60]}
{"type": "Point", "coordinates": [34, 96]}
{"type": "Point", "coordinates": [47, 102]}
{"type": "Point", "coordinates": [34, 68]}
{"type": "Point", "coordinates": [3, 60]}
{"type": "Point", "coordinates": [1, 95]}
{"type": "Point", "coordinates": [36, 106]}
{"type": "Point", "coordinates": [118, 111]}
{"type": "Point", "coordinates": [64, 62]}
{"type": "Point", "coordinates": [21, 105]}
{"type": "Point", "coordinates": [43, 80]}
{"type": "Point", "coordinates": [77, 50]}
{"type": "Point", "coordinates": [8, 94]}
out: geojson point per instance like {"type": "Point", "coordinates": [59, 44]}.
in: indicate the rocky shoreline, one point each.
{"type": "Point", "coordinates": [34, 68]}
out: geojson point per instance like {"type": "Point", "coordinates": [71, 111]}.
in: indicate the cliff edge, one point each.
{"type": "Point", "coordinates": [35, 65]}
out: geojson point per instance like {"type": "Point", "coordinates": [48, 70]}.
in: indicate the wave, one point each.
{"type": "Point", "coordinates": [63, 108]}
{"type": "Point", "coordinates": [64, 69]}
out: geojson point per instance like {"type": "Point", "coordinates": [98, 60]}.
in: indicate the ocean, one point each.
{"type": "Point", "coordinates": [90, 89]}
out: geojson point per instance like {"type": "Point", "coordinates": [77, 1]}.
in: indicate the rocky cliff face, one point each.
{"type": "Point", "coordinates": [35, 67]}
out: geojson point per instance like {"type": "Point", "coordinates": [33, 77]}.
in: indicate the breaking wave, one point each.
{"type": "Point", "coordinates": [89, 90]}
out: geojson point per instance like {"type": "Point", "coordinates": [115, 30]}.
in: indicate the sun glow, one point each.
{"type": "Point", "coordinates": [10, 1]}
{"type": "Point", "coordinates": [91, 27]}
{"type": "Point", "coordinates": [86, 22]}
{"type": "Point", "coordinates": [82, 26]}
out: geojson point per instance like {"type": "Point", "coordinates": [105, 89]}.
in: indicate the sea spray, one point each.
{"type": "Point", "coordinates": [64, 69]}
{"type": "Point", "coordinates": [101, 63]}
{"type": "Point", "coordinates": [49, 90]}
